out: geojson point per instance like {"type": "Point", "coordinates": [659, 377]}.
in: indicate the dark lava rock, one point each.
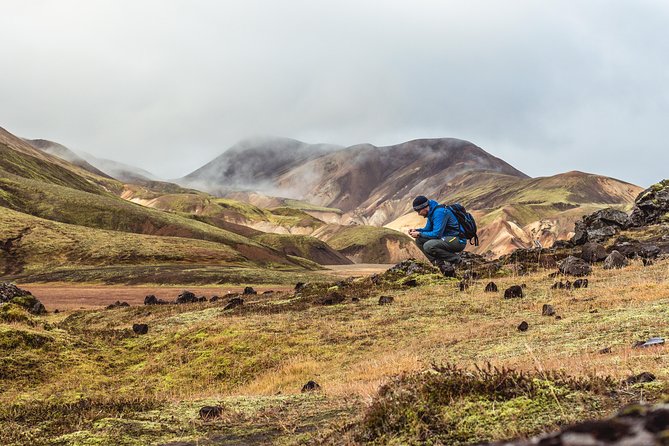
{"type": "Point", "coordinates": [410, 283]}
{"type": "Point", "coordinates": [615, 260]}
{"type": "Point", "coordinates": [385, 300]}
{"type": "Point", "coordinates": [580, 283]}
{"type": "Point", "coordinates": [153, 300]}
{"type": "Point", "coordinates": [375, 278]}
{"type": "Point", "coordinates": [268, 292]}
{"type": "Point", "coordinates": [332, 298]}
{"type": "Point", "coordinates": [214, 298]}
{"type": "Point", "coordinates": [299, 286]}
{"type": "Point", "coordinates": [547, 310]}
{"type": "Point", "coordinates": [210, 412]}
{"type": "Point", "coordinates": [574, 266]}
{"type": "Point", "coordinates": [634, 425]}
{"type": "Point", "coordinates": [411, 266]}
{"type": "Point", "coordinates": [593, 252]}
{"type": "Point", "coordinates": [117, 304]}
{"type": "Point", "coordinates": [523, 326]}
{"type": "Point", "coordinates": [186, 297]}
{"type": "Point", "coordinates": [234, 303]}
{"type": "Point", "coordinates": [464, 285]}
{"type": "Point", "coordinates": [310, 386]}
{"type": "Point", "coordinates": [561, 285]}
{"type": "Point", "coordinates": [599, 226]}
{"type": "Point", "coordinates": [647, 262]}
{"type": "Point", "coordinates": [355, 299]}
{"type": "Point", "coordinates": [513, 292]}
{"type": "Point", "coordinates": [140, 329]}
{"type": "Point", "coordinates": [447, 269]}
{"type": "Point", "coordinates": [644, 377]}
{"type": "Point", "coordinates": [10, 293]}
{"type": "Point", "coordinates": [634, 248]}
{"type": "Point", "coordinates": [56, 311]}
{"type": "Point", "coordinates": [558, 317]}
{"type": "Point", "coordinates": [562, 244]}
{"type": "Point", "coordinates": [605, 351]}
{"type": "Point", "coordinates": [651, 205]}
{"type": "Point", "coordinates": [249, 290]}
{"type": "Point", "coordinates": [491, 288]}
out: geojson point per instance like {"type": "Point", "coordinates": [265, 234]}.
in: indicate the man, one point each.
{"type": "Point", "coordinates": [441, 239]}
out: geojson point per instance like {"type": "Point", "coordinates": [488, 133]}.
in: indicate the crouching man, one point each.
{"type": "Point", "coordinates": [441, 239]}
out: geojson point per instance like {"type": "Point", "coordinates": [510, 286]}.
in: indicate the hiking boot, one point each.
{"type": "Point", "coordinates": [447, 269]}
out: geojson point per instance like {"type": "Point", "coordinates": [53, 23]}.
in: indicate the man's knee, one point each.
{"type": "Point", "coordinates": [430, 247]}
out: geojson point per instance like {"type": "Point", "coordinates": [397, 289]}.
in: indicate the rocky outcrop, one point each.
{"type": "Point", "coordinates": [599, 226]}
{"type": "Point", "coordinates": [615, 260]}
{"type": "Point", "coordinates": [10, 293]}
{"type": "Point", "coordinates": [634, 425]}
{"type": "Point", "coordinates": [574, 266]}
{"type": "Point", "coordinates": [593, 252]}
{"type": "Point", "coordinates": [651, 206]}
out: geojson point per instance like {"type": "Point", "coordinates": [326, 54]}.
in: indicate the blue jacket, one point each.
{"type": "Point", "coordinates": [436, 219]}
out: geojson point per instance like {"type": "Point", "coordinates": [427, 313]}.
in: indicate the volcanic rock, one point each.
{"type": "Point", "coordinates": [447, 269]}
{"type": "Point", "coordinates": [599, 226]}
{"type": "Point", "coordinates": [561, 285]}
{"type": "Point", "coordinates": [644, 377]}
{"type": "Point", "coordinates": [651, 206]}
{"type": "Point", "coordinates": [409, 267]}
{"type": "Point", "coordinates": [234, 303]}
{"type": "Point", "coordinates": [10, 293]}
{"type": "Point", "coordinates": [593, 252]}
{"type": "Point", "coordinates": [209, 412]}
{"type": "Point", "coordinates": [523, 326]}
{"type": "Point", "coordinates": [491, 287]}
{"type": "Point", "coordinates": [332, 298]}
{"type": "Point", "coordinates": [634, 248]}
{"type": "Point", "coordinates": [410, 283]}
{"type": "Point", "coordinates": [464, 284]}
{"type": "Point", "coordinates": [249, 290]}
{"type": "Point", "coordinates": [299, 286]}
{"type": "Point", "coordinates": [647, 262]}
{"type": "Point", "coordinates": [574, 266]}
{"type": "Point", "coordinates": [186, 297]}
{"type": "Point", "coordinates": [310, 386]}
{"type": "Point", "coordinates": [117, 304]}
{"type": "Point", "coordinates": [615, 260]}
{"type": "Point", "coordinates": [580, 283]}
{"type": "Point", "coordinates": [140, 329]}
{"type": "Point", "coordinates": [214, 298]}
{"type": "Point", "coordinates": [386, 300]}
{"type": "Point", "coordinates": [153, 300]}
{"type": "Point", "coordinates": [547, 310]}
{"type": "Point", "coordinates": [513, 292]}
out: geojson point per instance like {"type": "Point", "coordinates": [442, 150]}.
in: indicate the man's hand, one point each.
{"type": "Point", "coordinates": [413, 233]}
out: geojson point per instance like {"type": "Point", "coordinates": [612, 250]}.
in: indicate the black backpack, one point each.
{"type": "Point", "coordinates": [466, 221]}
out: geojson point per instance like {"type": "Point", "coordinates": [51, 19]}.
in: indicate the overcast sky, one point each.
{"type": "Point", "coordinates": [549, 86]}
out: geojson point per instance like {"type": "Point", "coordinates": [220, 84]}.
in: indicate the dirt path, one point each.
{"type": "Point", "coordinates": [66, 296]}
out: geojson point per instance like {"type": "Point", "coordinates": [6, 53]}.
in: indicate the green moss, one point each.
{"type": "Point", "coordinates": [11, 312]}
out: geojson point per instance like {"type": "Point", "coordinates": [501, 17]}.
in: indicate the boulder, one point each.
{"type": "Point", "coordinates": [615, 260]}
{"type": "Point", "coordinates": [491, 287]}
{"type": "Point", "coordinates": [249, 290]}
{"type": "Point", "coordinates": [593, 252]}
{"type": "Point", "coordinates": [386, 300]}
{"type": "Point", "coordinates": [523, 326]}
{"type": "Point", "coordinates": [513, 292]}
{"type": "Point", "coordinates": [310, 386]}
{"type": "Point", "coordinates": [117, 304]}
{"type": "Point", "coordinates": [574, 266]}
{"type": "Point", "coordinates": [547, 310]}
{"type": "Point", "coordinates": [186, 297]}
{"type": "Point", "coordinates": [209, 412]}
{"type": "Point", "coordinates": [599, 226]}
{"type": "Point", "coordinates": [10, 293]}
{"type": "Point", "coordinates": [140, 329]}
{"type": "Point", "coordinates": [234, 303]}
{"type": "Point", "coordinates": [447, 269]}
{"type": "Point", "coordinates": [651, 206]}
{"type": "Point", "coordinates": [332, 298]}
{"type": "Point", "coordinates": [153, 300]}
{"type": "Point", "coordinates": [299, 286]}
{"type": "Point", "coordinates": [631, 248]}
{"type": "Point", "coordinates": [410, 283]}
{"type": "Point", "coordinates": [580, 283]}
{"type": "Point", "coordinates": [644, 377]}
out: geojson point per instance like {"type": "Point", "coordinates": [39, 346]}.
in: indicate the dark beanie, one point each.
{"type": "Point", "coordinates": [419, 203]}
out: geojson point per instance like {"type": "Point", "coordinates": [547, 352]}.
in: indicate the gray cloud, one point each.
{"type": "Point", "coordinates": [168, 85]}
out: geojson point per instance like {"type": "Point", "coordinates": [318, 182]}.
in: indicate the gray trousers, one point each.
{"type": "Point", "coordinates": [438, 249]}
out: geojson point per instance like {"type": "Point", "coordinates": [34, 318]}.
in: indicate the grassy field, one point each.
{"type": "Point", "coordinates": [85, 378]}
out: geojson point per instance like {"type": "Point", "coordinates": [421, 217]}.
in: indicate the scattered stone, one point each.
{"type": "Point", "coordinates": [593, 311]}
{"type": "Point", "coordinates": [513, 292]}
{"type": "Point", "coordinates": [547, 310]}
{"type": "Point", "coordinates": [634, 248]}
{"type": "Point", "coordinates": [523, 326]}
{"type": "Point", "coordinates": [593, 252]}
{"type": "Point", "coordinates": [56, 311]}
{"type": "Point", "coordinates": [580, 283]}
{"type": "Point", "coordinates": [408, 267]}
{"type": "Point", "coordinates": [464, 285]}
{"type": "Point", "coordinates": [153, 300]}
{"type": "Point", "coordinates": [386, 300]}
{"type": "Point", "coordinates": [561, 285]}
{"type": "Point", "coordinates": [411, 283]}
{"type": "Point", "coordinates": [651, 342]}
{"type": "Point", "coordinates": [647, 262]}
{"type": "Point", "coordinates": [332, 298]}
{"type": "Point", "coordinates": [268, 292]}
{"type": "Point", "coordinates": [355, 299]}
{"type": "Point", "coordinates": [186, 297]}
{"type": "Point", "coordinates": [311, 386]}
{"type": "Point", "coordinates": [299, 286]}
{"type": "Point", "coordinates": [615, 260]}
{"type": "Point", "coordinates": [599, 226]}
{"type": "Point", "coordinates": [234, 303]}
{"type": "Point", "coordinates": [117, 304]}
{"type": "Point", "coordinates": [210, 412]}
{"type": "Point", "coordinates": [38, 308]}
{"type": "Point", "coordinates": [375, 278]}
{"type": "Point", "coordinates": [644, 377]}
{"type": "Point", "coordinates": [214, 298]}
{"type": "Point", "coordinates": [605, 351]}
{"type": "Point", "coordinates": [574, 266]}
{"type": "Point", "coordinates": [249, 290]}
{"type": "Point", "coordinates": [140, 329]}
{"type": "Point", "coordinates": [558, 317]}
{"type": "Point", "coordinates": [491, 287]}
{"type": "Point", "coordinates": [447, 269]}
{"type": "Point", "coordinates": [651, 205]}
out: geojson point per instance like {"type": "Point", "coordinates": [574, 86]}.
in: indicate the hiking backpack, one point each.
{"type": "Point", "coordinates": [466, 221]}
